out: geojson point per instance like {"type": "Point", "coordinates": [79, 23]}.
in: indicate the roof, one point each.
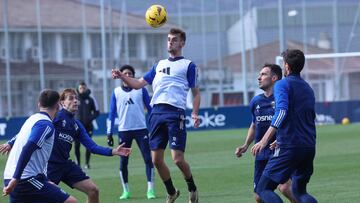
{"type": "Point", "coordinates": [66, 14]}
{"type": "Point", "coordinates": [268, 52]}
{"type": "Point", "coordinates": [31, 70]}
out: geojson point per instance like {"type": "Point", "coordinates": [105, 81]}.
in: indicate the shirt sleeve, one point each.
{"type": "Point", "coordinates": [251, 105]}
{"type": "Point", "coordinates": [192, 75]}
{"type": "Point", "coordinates": [150, 75]}
{"type": "Point", "coordinates": [24, 158]}
{"type": "Point", "coordinates": [146, 99]}
{"type": "Point", "coordinates": [86, 140]}
{"type": "Point", "coordinates": [281, 94]}
{"type": "Point", "coordinates": [41, 131]}
{"type": "Point", "coordinates": [112, 114]}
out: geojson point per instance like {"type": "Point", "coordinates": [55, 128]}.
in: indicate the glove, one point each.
{"type": "Point", "coordinates": [110, 140]}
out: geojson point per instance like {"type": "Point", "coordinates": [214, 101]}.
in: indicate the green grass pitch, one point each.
{"type": "Point", "coordinates": [221, 177]}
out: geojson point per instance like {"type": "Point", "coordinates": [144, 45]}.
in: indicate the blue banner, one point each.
{"type": "Point", "coordinates": [216, 118]}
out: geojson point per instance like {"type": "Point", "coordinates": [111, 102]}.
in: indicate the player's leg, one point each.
{"type": "Point", "coordinates": [158, 141]}
{"type": "Point", "coordinates": [259, 167]}
{"type": "Point", "coordinates": [90, 189]}
{"type": "Point", "coordinates": [77, 152]}
{"type": "Point", "coordinates": [142, 140]}
{"type": "Point", "coordinates": [124, 137]}
{"type": "Point", "coordinates": [286, 190]}
{"type": "Point", "coordinates": [88, 153]}
{"type": "Point", "coordinates": [302, 176]}
{"type": "Point", "coordinates": [265, 190]}
{"type": "Point", "coordinates": [278, 170]}
{"type": "Point", "coordinates": [74, 177]}
{"type": "Point", "coordinates": [177, 143]}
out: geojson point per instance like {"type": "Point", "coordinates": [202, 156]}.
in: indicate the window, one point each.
{"type": "Point", "coordinates": [71, 45]}
{"type": "Point", "coordinates": [17, 46]}
{"type": "Point", "coordinates": [48, 43]}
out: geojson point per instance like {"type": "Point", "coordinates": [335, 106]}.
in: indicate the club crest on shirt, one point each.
{"type": "Point", "coordinates": [257, 108]}
{"type": "Point", "coordinates": [63, 123]}
{"type": "Point", "coordinates": [76, 126]}
{"type": "Point", "coordinates": [273, 104]}
{"type": "Point", "coordinates": [86, 101]}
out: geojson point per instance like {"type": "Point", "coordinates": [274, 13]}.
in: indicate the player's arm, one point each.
{"type": "Point", "coordinates": [6, 147]}
{"type": "Point", "coordinates": [132, 82]}
{"type": "Point", "coordinates": [111, 120]}
{"type": "Point", "coordinates": [41, 131]}
{"type": "Point", "coordinates": [86, 140]}
{"type": "Point", "coordinates": [192, 78]}
{"type": "Point", "coordinates": [248, 140]}
{"type": "Point", "coordinates": [281, 94]}
{"type": "Point", "coordinates": [146, 100]}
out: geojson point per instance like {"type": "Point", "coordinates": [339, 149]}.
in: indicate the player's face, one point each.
{"type": "Point", "coordinates": [286, 69]}
{"type": "Point", "coordinates": [265, 78]}
{"type": "Point", "coordinates": [70, 103]}
{"type": "Point", "coordinates": [174, 44]}
{"type": "Point", "coordinates": [128, 73]}
{"type": "Point", "coordinates": [82, 88]}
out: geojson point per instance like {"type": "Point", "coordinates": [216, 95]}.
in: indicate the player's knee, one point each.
{"type": "Point", "coordinates": [93, 191]}
{"type": "Point", "coordinates": [284, 188]}
{"type": "Point", "coordinates": [257, 198]}
{"type": "Point", "coordinates": [179, 161]}
{"type": "Point", "coordinates": [71, 199]}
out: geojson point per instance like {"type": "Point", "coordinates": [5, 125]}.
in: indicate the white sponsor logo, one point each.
{"type": "Point", "coordinates": [206, 120]}
{"type": "Point", "coordinates": [2, 129]}
{"type": "Point", "coordinates": [66, 137]}
{"type": "Point", "coordinates": [264, 118]}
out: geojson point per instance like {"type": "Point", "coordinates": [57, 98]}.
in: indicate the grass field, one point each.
{"type": "Point", "coordinates": [222, 178]}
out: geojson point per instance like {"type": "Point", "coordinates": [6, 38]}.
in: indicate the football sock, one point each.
{"type": "Point", "coordinates": [191, 184]}
{"type": "Point", "coordinates": [169, 187]}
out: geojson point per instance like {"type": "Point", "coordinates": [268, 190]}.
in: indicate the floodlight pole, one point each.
{"type": "Point", "coordinates": [103, 57]}
{"type": "Point", "coordinates": [243, 53]}
{"type": "Point", "coordinates": [7, 62]}
{"type": "Point", "coordinates": [40, 48]}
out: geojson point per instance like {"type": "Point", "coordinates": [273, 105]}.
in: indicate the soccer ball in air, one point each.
{"type": "Point", "coordinates": [156, 16]}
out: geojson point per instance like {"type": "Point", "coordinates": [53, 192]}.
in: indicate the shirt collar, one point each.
{"type": "Point", "coordinates": [176, 58]}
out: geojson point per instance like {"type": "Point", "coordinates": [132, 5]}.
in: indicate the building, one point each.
{"type": "Point", "coordinates": [71, 48]}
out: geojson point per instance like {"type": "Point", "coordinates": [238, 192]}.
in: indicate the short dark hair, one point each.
{"type": "Point", "coordinates": [82, 83]}
{"type": "Point", "coordinates": [295, 59]}
{"type": "Point", "coordinates": [274, 69]}
{"type": "Point", "coordinates": [127, 67]}
{"type": "Point", "coordinates": [177, 31]}
{"type": "Point", "coordinates": [65, 92]}
{"type": "Point", "coordinates": [48, 98]}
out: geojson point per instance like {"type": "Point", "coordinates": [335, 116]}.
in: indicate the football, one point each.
{"type": "Point", "coordinates": [156, 16]}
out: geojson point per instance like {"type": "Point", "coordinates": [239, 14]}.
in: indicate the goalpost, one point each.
{"type": "Point", "coordinates": [332, 89]}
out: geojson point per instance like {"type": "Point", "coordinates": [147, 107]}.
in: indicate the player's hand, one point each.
{"type": "Point", "coordinates": [273, 145]}
{"type": "Point", "coordinates": [257, 148]}
{"type": "Point", "coordinates": [121, 150]}
{"type": "Point", "coordinates": [110, 140]}
{"type": "Point", "coordinates": [240, 150]}
{"type": "Point", "coordinates": [10, 187]}
{"type": "Point", "coordinates": [195, 119]}
{"type": "Point", "coordinates": [116, 74]}
{"type": "Point", "coordinates": [5, 148]}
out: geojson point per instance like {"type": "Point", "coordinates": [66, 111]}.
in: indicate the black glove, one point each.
{"type": "Point", "coordinates": [110, 140]}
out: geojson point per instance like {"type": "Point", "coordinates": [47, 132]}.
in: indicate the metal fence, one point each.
{"type": "Point", "coordinates": [58, 43]}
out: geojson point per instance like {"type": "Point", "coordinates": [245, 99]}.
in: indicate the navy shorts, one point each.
{"type": "Point", "coordinates": [296, 163]}
{"type": "Point", "coordinates": [142, 139]}
{"type": "Point", "coordinates": [69, 173]}
{"type": "Point", "coordinates": [167, 127]}
{"type": "Point", "coordinates": [258, 170]}
{"type": "Point", "coordinates": [36, 189]}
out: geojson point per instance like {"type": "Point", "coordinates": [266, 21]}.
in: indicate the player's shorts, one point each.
{"type": "Point", "coordinates": [296, 163]}
{"type": "Point", "coordinates": [36, 189]}
{"type": "Point", "coordinates": [258, 170]}
{"type": "Point", "coordinates": [167, 125]}
{"type": "Point", "coordinates": [69, 173]}
{"type": "Point", "coordinates": [128, 136]}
